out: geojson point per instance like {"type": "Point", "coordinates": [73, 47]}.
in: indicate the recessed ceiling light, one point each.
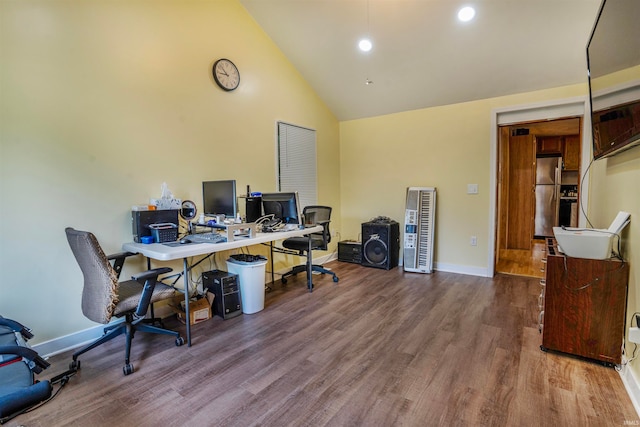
{"type": "Point", "coordinates": [365, 45]}
{"type": "Point", "coordinates": [466, 14]}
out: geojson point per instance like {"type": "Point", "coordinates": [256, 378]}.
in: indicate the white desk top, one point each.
{"type": "Point", "coordinates": [161, 252]}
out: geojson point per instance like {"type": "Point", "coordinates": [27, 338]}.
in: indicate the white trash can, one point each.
{"type": "Point", "coordinates": [250, 270]}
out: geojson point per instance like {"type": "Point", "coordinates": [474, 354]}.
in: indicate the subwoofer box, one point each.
{"type": "Point", "coordinates": [381, 244]}
{"type": "Point", "coordinates": [350, 251]}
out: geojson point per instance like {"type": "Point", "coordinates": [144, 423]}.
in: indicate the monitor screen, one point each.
{"type": "Point", "coordinates": [219, 198]}
{"type": "Point", "coordinates": [284, 206]}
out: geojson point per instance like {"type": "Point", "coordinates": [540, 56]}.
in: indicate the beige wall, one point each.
{"type": "Point", "coordinates": [102, 102]}
{"type": "Point", "coordinates": [444, 147]}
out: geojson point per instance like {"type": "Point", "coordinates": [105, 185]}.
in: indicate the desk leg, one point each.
{"type": "Point", "coordinates": [309, 268]}
{"type": "Point", "coordinates": [273, 280]}
{"type": "Point", "coordinates": [186, 300]}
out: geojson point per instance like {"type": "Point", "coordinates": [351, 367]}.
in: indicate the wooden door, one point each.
{"type": "Point", "coordinates": [520, 193]}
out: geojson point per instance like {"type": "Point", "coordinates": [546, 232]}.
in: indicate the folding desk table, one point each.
{"type": "Point", "coordinates": [162, 252]}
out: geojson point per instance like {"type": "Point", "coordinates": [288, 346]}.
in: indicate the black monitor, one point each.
{"type": "Point", "coordinates": [219, 198]}
{"type": "Point", "coordinates": [284, 206]}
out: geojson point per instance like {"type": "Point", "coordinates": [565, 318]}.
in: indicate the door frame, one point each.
{"type": "Point", "coordinates": [550, 110]}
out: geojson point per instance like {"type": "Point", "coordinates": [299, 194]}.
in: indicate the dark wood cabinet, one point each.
{"type": "Point", "coordinates": [571, 153]}
{"type": "Point", "coordinates": [584, 302]}
{"type": "Point", "coordinates": [549, 145]}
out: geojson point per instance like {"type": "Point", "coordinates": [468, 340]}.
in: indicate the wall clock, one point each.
{"type": "Point", "coordinates": [226, 74]}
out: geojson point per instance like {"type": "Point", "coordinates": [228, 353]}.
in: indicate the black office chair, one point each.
{"type": "Point", "coordinates": [313, 215]}
{"type": "Point", "coordinates": [104, 297]}
{"type": "Point", "coordinates": [19, 390]}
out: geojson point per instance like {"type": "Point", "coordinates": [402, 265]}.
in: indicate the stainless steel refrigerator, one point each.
{"type": "Point", "coordinates": [548, 173]}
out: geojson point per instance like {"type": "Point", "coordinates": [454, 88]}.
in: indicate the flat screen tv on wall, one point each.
{"type": "Point", "coordinates": [613, 60]}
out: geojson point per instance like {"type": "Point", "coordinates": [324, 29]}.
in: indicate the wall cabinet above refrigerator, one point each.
{"type": "Point", "coordinates": [566, 146]}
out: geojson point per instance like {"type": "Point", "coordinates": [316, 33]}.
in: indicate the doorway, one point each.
{"type": "Point", "coordinates": [520, 249]}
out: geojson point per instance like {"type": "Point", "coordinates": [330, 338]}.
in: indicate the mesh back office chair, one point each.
{"type": "Point", "coordinates": [313, 215]}
{"type": "Point", "coordinates": [104, 297]}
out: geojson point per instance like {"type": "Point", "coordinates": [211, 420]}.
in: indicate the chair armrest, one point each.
{"type": "Point", "coordinates": [25, 352]}
{"type": "Point", "coordinates": [149, 278]}
{"type": "Point", "coordinates": [120, 255]}
{"type": "Point", "coordinates": [118, 260]}
{"type": "Point", "coordinates": [17, 327]}
{"type": "Point", "coordinates": [325, 230]}
{"type": "Point", "coordinates": [155, 272]}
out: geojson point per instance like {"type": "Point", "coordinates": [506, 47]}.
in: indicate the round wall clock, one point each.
{"type": "Point", "coordinates": [226, 74]}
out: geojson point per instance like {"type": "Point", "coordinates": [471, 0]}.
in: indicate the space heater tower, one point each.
{"type": "Point", "coordinates": [419, 227]}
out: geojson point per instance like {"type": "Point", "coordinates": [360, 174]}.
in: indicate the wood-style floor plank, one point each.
{"type": "Point", "coordinates": [379, 348]}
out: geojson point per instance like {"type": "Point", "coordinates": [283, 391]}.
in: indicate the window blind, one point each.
{"type": "Point", "coordinates": [297, 162]}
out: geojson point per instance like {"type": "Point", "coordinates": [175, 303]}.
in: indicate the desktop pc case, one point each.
{"type": "Point", "coordinates": [141, 220]}
{"type": "Point", "coordinates": [253, 208]}
{"type": "Point", "coordinates": [227, 303]}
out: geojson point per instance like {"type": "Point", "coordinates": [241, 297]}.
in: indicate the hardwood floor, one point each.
{"type": "Point", "coordinates": [522, 262]}
{"type": "Point", "coordinates": [379, 348]}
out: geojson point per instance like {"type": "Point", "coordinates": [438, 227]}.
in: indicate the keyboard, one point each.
{"type": "Point", "coordinates": [206, 238]}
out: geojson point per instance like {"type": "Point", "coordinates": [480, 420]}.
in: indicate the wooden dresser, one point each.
{"type": "Point", "coordinates": [583, 303]}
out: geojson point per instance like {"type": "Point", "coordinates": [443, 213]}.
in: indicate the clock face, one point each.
{"type": "Point", "coordinates": [226, 74]}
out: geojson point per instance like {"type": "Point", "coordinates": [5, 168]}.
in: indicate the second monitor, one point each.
{"type": "Point", "coordinates": [284, 206]}
{"type": "Point", "coordinates": [219, 198]}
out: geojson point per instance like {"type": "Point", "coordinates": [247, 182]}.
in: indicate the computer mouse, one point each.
{"type": "Point", "coordinates": [184, 240]}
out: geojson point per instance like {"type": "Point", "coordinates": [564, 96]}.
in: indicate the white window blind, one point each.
{"type": "Point", "coordinates": [297, 162]}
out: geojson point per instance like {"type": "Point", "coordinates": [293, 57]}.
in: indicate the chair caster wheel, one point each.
{"type": "Point", "coordinates": [75, 365]}
{"type": "Point", "coordinates": [179, 341]}
{"type": "Point", "coordinates": [335, 279]}
{"type": "Point", "coordinates": [127, 369]}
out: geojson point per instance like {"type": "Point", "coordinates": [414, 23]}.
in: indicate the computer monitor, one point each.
{"type": "Point", "coordinates": [284, 206]}
{"type": "Point", "coordinates": [219, 198]}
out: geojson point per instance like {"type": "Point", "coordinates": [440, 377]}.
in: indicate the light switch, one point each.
{"type": "Point", "coordinates": [472, 188]}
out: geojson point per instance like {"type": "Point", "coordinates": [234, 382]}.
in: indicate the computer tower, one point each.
{"type": "Point", "coordinates": [141, 220]}
{"type": "Point", "coordinates": [253, 208]}
{"type": "Point", "coordinates": [227, 303]}
{"type": "Point", "coordinates": [381, 243]}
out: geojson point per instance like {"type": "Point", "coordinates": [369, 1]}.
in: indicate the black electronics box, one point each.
{"type": "Point", "coordinates": [350, 251]}
{"type": "Point", "coordinates": [253, 208]}
{"type": "Point", "coordinates": [224, 286]}
{"type": "Point", "coordinates": [141, 220]}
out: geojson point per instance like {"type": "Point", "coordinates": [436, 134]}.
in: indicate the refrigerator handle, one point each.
{"type": "Point", "coordinates": [556, 187]}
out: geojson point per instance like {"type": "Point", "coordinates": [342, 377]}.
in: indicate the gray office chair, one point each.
{"type": "Point", "coordinates": [103, 297]}
{"type": "Point", "coordinates": [313, 215]}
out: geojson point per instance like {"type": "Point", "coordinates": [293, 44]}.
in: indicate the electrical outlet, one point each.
{"type": "Point", "coordinates": [474, 241]}
{"type": "Point", "coordinates": [472, 188]}
{"type": "Point", "coordinates": [634, 335]}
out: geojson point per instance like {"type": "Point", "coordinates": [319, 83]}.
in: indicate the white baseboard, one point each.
{"type": "Point", "coordinates": [462, 269]}
{"type": "Point", "coordinates": [80, 338]}
{"type": "Point", "coordinates": [69, 342]}
{"type": "Point", "coordinates": [632, 385]}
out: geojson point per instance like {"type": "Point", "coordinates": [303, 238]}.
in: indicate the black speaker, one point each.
{"type": "Point", "coordinates": [253, 208]}
{"type": "Point", "coordinates": [224, 286]}
{"type": "Point", "coordinates": [381, 243]}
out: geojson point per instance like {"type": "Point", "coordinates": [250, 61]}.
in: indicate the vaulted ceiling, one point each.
{"type": "Point", "coordinates": [422, 55]}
